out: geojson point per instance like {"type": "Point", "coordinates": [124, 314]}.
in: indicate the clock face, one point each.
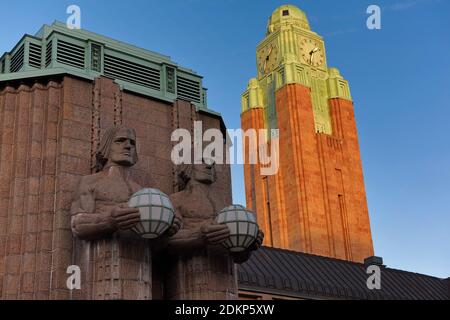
{"type": "Point", "coordinates": [311, 52]}
{"type": "Point", "coordinates": [268, 58]}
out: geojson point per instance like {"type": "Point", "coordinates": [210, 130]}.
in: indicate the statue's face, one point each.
{"type": "Point", "coordinates": [205, 172]}
{"type": "Point", "coordinates": [123, 148]}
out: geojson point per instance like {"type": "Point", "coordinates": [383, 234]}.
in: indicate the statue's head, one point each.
{"type": "Point", "coordinates": [204, 173]}
{"type": "Point", "coordinates": [117, 147]}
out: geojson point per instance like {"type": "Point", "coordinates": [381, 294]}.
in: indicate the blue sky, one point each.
{"type": "Point", "coordinates": [399, 78]}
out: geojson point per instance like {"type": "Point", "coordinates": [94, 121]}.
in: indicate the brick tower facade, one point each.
{"type": "Point", "coordinates": [316, 202]}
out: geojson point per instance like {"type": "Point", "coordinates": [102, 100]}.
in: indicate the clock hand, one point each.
{"type": "Point", "coordinates": [313, 51]}
{"type": "Point", "coordinates": [267, 58]}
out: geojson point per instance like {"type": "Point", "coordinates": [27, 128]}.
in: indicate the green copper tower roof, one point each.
{"type": "Point", "coordinates": [56, 49]}
{"type": "Point", "coordinates": [286, 15]}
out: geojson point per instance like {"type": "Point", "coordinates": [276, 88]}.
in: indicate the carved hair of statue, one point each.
{"type": "Point", "coordinates": [102, 154]}
{"type": "Point", "coordinates": [185, 172]}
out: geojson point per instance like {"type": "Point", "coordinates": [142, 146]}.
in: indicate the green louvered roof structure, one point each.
{"type": "Point", "coordinates": [56, 49]}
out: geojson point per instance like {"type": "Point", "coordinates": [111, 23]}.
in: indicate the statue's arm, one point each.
{"type": "Point", "coordinates": [197, 236]}
{"type": "Point", "coordinates": [209, 234]}
{"type": "Point", "coordinates": [186, 240]}
{"type": "Point", "coordinates": [87, 224]}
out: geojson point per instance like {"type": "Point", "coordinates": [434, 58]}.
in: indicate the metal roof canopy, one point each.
{"type": "Point", "coordinates": [307, 276]}
{"type": "Point", "coordinates": [56, 50]}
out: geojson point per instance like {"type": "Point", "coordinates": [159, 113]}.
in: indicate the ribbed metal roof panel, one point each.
{"type": "Point", "coordinates": [301, 274]}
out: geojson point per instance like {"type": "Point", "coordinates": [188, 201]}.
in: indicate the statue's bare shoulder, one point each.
{"type": "Point", "coordinates": [87, 183]}
{"type": "Point", "coordinates": [134, 185]}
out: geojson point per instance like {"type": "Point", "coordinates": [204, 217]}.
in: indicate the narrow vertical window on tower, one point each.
{"type": "Point", "coordinates": [344, 226]}
{"type": "Point", "coordinates": [3, 66]}
{"type": "Point", "coordinates": [269, 214]}
{"type": "Point", "coordinates": [96, 57]}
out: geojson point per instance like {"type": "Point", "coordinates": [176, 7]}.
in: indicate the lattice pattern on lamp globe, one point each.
{"type": "Point", "coordinates": [156, 211]}
{"type": "Point", "coordinates": [242, 224]}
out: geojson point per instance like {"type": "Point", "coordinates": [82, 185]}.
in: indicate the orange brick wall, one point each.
{"type": "Point", "coordinates": [317, 198]}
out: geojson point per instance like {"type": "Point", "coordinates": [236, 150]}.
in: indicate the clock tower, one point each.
{"type": "Point", "coordinates": [316, 202]}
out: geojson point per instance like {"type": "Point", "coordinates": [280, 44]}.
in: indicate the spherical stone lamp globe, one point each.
{"type": "Point", "coordinates": [243, 227]}
{"type": "Point", "coordinates": [157, 213]}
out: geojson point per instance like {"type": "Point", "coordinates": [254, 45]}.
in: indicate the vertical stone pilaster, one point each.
{"type": "Point", "coordinates": [354, 200]}
{"type": "Point", "coordinates": [118, 106]}
{"type": "Point", "coordinates": [175, 115]}
{"type": "Point", "coordinates": [96, 105]}
{"type": "Point", "coordinates": [8, 98]}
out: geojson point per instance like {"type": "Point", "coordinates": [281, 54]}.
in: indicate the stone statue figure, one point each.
{"type": "Point", "coordinates": [101, 206]}
{"type": "Point", "coordinates": [117, 263]}
{"type": "Point", "coordinates": [199, 266]}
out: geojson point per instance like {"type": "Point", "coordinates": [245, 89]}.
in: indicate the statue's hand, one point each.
{"type": "Point", "coordinates": [124, 217]}
{"type": "Point", "coordinates": [176, 226]}
{"type": "Point", "coordinates": [258, 241]}
{"type": "Point", "coordinates": [215, 233]}
{"type": "Point", "coordinates": [241, 257]}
